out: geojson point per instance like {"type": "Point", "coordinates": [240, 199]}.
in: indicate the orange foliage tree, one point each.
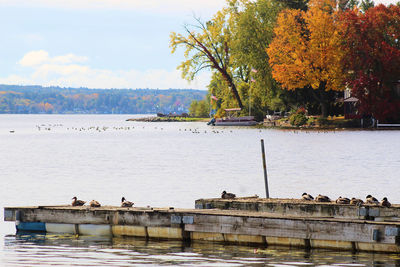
{"type": "Point", "coordinates": [306, 51]}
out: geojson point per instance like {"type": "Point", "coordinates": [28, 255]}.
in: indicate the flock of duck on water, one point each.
{"type": "Point", "coordinates": [95, 204]}
{"type": "Point", "coordinates": [370, 200]}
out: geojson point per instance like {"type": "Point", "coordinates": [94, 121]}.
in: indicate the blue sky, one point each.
{"type": "Point", "coordinates": [97, 43]}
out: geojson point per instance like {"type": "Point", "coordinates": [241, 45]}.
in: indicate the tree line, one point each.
{"type": "Point", "coordinates": [56, 100]}
{"type": "Point", "coordinates": [283, 55]}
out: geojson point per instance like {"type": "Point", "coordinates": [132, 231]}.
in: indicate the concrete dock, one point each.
{"type": "Point", "coordinates": [307, 225]}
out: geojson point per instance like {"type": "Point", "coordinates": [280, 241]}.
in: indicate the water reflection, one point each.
{"type": "Point", "coordinates": [69, 250]}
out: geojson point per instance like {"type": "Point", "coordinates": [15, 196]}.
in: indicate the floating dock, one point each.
{"type": "Point", "coordinates": [249, 221]}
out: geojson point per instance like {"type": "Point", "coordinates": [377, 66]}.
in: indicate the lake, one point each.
{"type": "Point", "coordinates": [48, 159]}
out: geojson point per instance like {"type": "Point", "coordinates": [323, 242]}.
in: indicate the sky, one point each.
{"type": "Point", "coordinates": [98, 43]}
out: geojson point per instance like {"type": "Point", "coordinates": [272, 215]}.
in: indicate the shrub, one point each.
{"type": "Point", "coordinates": [299, 118]}
{"type": "Point", "coordinates": [311, 121]}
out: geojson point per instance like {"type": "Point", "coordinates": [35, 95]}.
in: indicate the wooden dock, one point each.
{"type": "Point", "coordinates": [301, 208]}
{"type": "Point", "coordinates": [290, 226]}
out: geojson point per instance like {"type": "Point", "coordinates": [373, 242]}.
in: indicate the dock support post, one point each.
{"type": "Point", "coordinates": [265, 168]}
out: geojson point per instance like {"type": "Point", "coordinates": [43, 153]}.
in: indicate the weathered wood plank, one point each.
{"type": "Point", "coordinates": [303, 229]}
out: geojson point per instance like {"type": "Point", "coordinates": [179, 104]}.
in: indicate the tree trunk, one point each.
{"type": "Point", "coordinates": [323, 100]}
{"type": "Point", "coordinates": [324, 109]}
{"type": "Point", "coordinates": [221, 68]}
{"type": "Point", "coordinates": [232, 85]}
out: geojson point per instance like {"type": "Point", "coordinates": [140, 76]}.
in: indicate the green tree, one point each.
{"type": "Point", "coordinates": [252, 25]}
{"type": "Point", "coordinates": [209, 48]}
{"type": "Point", "coordinates": [199, 109]}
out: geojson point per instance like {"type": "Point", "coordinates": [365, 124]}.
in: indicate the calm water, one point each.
{"type": "Point", "coordinates": [166, 164]}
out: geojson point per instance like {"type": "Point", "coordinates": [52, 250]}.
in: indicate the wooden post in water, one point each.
{"type": "Point", "coordinates": [265, 168]}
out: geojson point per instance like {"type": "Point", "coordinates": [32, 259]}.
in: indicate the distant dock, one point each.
{"type": "Point", "coordinates": [251, 221]}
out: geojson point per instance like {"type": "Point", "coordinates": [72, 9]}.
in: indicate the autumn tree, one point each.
{"type": "Point", "coordinates": [207, 48]}
{"type": "Point", "coordinates": [306, 51]}
{"type": "Point", "coordinates": [371, 42]}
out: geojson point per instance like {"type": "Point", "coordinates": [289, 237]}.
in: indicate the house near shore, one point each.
{"type": "Point", "coordinates": [349, 105]}
{"type": "Point", "coordinates": [350, 102]}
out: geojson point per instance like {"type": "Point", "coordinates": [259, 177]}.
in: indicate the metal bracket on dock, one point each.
{"type": "Point", "coordinates": [363, 211]}
{"type": "Point", "coordinates": [367, 211]}
{"type": "Point", "coordinates": [8, 215]}
{"type": "Point", "coordinates": [187, 219]}
{"type": "Point", "coordinates": [182, 219]}
{"type": "Point", "coordinates": [201, 206]}
{"type": "Point", "coordinates": [176, 219]}
{"type": "Point", "coordinates": [373, 212]}
{"type": "Point", "coordinates": [376, 235]}
{"type": "Point", "coordinates": [392, 231]}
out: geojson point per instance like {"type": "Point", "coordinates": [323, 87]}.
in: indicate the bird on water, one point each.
{"type": "Point", "coordinates": [226, 195]}
{"type": "Point", "coordinates": [385, 202]}
{"type": "Point", "coordinates": [321, 198]}
{"type": "Point", "coordinates": [126, 203]}
{"type": "Point", "coordinates": [306, 196]}
{"type": "Point", "coordinates": [94, 204]}
{"type": "Point", "coordinates": [371, 200]}
{"type": "Point", "coordinates": [77, 202]}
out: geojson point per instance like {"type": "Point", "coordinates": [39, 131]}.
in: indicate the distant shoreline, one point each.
{"type": "Point", "coordinates": [169, 119]}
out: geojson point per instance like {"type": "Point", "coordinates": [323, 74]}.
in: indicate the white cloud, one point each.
{"type": "Point", "coordinates": [34, 58]}
{"type": "Point", "coordinates": [39, 57]}
{"type": "Point", "coordinates": [67, 71]}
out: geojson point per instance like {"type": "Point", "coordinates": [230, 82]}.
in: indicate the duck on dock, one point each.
{"type": "Point", "coordinates": [371, 200]}
{"type": "Point", "coordinates": [385, 203]}
{"type": "Point", "coordinates": [356, 201]}
{"type": "Point", "coordinates": [94, 204]}
{"type": "Point", "coordinates": [226, 195]}
{"type": "Point", "coordinates": [307, 197]}
{"type": "Point", "coordinates": [342, 200]}
{"type": "Point", "coordinates": [321, 198]}
{"type": "Point", "coordinates": [77, 202]}
{"type": "Point", "coordinates": [126, 203]}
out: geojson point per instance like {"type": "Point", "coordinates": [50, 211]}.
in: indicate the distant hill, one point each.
{"type": "Point", "coordinates": [47, 100]}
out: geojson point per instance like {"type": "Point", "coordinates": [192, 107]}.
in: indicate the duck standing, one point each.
{"type": "Point", "coordinates": [226, 195]}
{"type": "Point", "coordinates": [94, 204]}
{"type": "Point", "coordinates": [371, 200]}
{"type": "Point", "coordinates": [321, 198]}
{"type": "Point", "coordinates": [307, 197]}
{"type": "Point", "coordinates": [385, 203]}
{"type": "Point", "coordinates": [77, 202]}
{"type": "Point", "coordinates": [126, 203]}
